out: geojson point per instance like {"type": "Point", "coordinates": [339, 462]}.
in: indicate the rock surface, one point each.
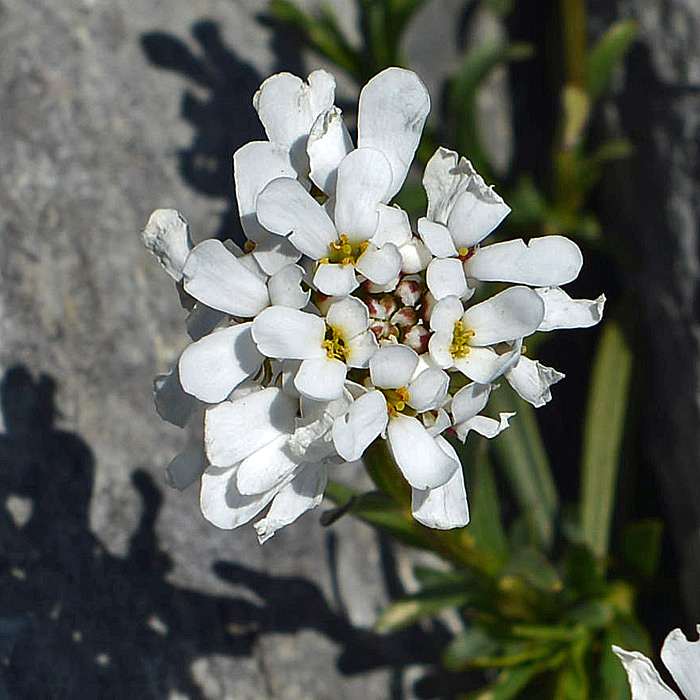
{"type": "Point", "coordinates": [113, 585]}
{"type": "Point", "coordinates": [653, 202]}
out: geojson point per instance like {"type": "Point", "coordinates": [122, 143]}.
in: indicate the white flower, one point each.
{"type": "Point", "coordinates": [467, 404]}
{"type": "Point", "coordinates": [167, 236]}
{"type": "Point", "coordinates": [327, 347]}
{"type": "Point", "coordinates": [288, 108]}
{"type": "Point", "coordinates": [463, 211]}
{"type": "Point", "coordinates": [363, 235]}
{"type": "Point", "coordinates": [466, 339]}
{"type": "Point", "coordinates": [680, 656]}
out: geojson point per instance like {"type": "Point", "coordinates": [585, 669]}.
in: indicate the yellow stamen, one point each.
{"type": "Point", "coordinates": [344, 252]}
{"type": "Point", "coordinates": [334, 344]}
{"type": "Point", "coordinates": [461, 337]}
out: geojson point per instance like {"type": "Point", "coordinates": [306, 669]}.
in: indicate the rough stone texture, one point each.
{"type": "Point", "coordinates": [653, 201]}
{"type": "Point", "coordinates": [112, 585]}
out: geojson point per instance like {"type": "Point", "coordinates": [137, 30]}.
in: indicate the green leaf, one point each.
{"type": "Point", "coordinates": [395, 520]}
{"type": "Point", "coordinates": [641, 546]}
{"type": "Point", "coordinates": [322, 33]}
{"type": "Point", "coordinates": [527, 202]}
{"type": "Point", "coordinates": [412, 199]}
{"type": "Point", "coordinates": [572, 680]}
{"type": "Point", "coordinates": [512, 681]}
{"type": "Point", "coordinates": [612, 678]}
{"type": "Point", "coordinates": [477, 65]}
{"type": "Point", "coordinates": [486, 527]}
{"type": "Point", "coordinates": [471, 644]}
{"type": "Point", "coordinates": [606, 54]}
{"type": "Point", "coordinates": [581, 573]}
{"type": "Point", "coordinates": [603, 432]}
{"type": "Point", "coordinates": [592, 614]}
{"type": "Point", "coordinates": [532, 566]}
{"type": "Point", "coordinates": [429, 601]}
{"type": "Point", "coordinates": [577, 107]}
{"type": "Point", "coordinates": [522, 457]}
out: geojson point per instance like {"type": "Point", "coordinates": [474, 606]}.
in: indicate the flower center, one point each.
{"type": "Point", "coordinates": [344, 252]}
{"type": "Point", "coordinates": [334, 344]}
{"type": "Point", "coordinates": [465, 253]}
{"type": "Point", "coordinates": [459, 347]}
{"type": "Point", "coordinates": [396, 400]}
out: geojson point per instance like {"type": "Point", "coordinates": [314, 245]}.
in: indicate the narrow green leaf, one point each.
{"type": "Point", "coordinates": [572, 680]}
{"type": "Point", "coordinates": [486, 527]}
{"type": "Point", "coordinates": [606, 54]}
{"type": "Point", "coordinates": [322, 33]}
{"type": "Point", "coordinates": [476, 67]}
{"type": "Point", "coordinates": [581, 573]}
{"type": "Point", "coordinates": [602, 435]}
{"type": "Point", "coordinates": [471, 644]}
{"type": "Point", "coordinates": [641, 546]}
{"type": "Point", "coordinates": [532, 566]}
{"type": "Point", "coordinates": [429, 601]}
{"type": "Point", "coordinates": [522, 457]}
{"type": "Point", "coordinates": [512, 681]}
{"type": "Point", "coordinates": [577, 107]}
{"type": "Point", "coordinates": [612, 679]}
{"type": "Point", "coordinates": [592, 614]}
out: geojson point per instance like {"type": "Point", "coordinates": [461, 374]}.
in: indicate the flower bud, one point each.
{"type": "Point", "coordinates": [409, 291]}
{"type": "Point", "coordinates": [417, 339]}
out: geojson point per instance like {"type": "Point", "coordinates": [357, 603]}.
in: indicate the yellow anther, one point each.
{"type": "Point", "coordinates": [334, 344]}
{"type": "Point", "coordinates": [344, 252]}
{"type": "Point", "coordinates": [347, 249]}
{"type": "Point", "coordinates": [249, 246]}
{"type": "Point", "coordinates": [463, 251]}
{"type": "Point", "coordinates": [461, 336]}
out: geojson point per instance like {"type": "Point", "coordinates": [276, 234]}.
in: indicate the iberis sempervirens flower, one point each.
{"type": "Point", "coordinates": [339, 323]}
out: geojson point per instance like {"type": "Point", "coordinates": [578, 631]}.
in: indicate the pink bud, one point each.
{"type": "Point", "coordinates": [417, 339]}
{"type": "Point", "coordinates": [409, 291]}
{"type": "Point", "coordinates": [405, 317]}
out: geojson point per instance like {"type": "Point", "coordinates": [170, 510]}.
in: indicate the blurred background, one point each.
{"type": "Point", "coordinates": [113, 584]}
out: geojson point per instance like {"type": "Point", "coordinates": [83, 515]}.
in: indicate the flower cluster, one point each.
{"type": "Point", "coordinates": [339, 323]}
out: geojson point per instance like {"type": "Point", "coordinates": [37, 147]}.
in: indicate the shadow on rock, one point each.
{"type": "Point", "coordinates": [219, 107]}
{"type": "Point", "coordinates": [76, 621]}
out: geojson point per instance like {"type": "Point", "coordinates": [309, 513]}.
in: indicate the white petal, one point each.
{"type": "Point", "coordinates": [446, 176]}
{"type": "Point", "coordinates": [544, 262]}
{"type": "Point", "coordinates": [436, 424]}
{"type": "Point", "coordinates": [364, 177]}
{"type": "Point", "coordinates": [186, 468]}
{"type": "Point", "coordinates": [682, 658]}
{"type": "Point", "coordinates": [476, 212]}
{"type": "Point", "coordinates": [173, 403]}
{"type": "Point", "coordinates": [470, 400]}
{"type": "Point", "coordinates": [445, 277]}
{"type": "Point", "coordinates": [513, 313]}
{"type": "Point", "coordinates": [235, 429]}
{"type": "Point", "coordinates": [488, 427]}
{"type": "Point", "coordinates": [364, 421]}
{"type": "Point", "coordinates": [167, 236]}
{"type": "Point", "coordinates": [214, 366]}
{"type": "Point", "coordinates": [444, 507]}
{"type": "Point", "coordinates": [301, 495]}
{"type": "Point", "coordinates": [273, 252]}
{"type": "Point", "coordinates": [288, 107]}
{"type": "Point", "coordinates": [437, 238]}
{"type": "Point", "coordinates": [329, 142]}
{"type": "Point", "coordinates": [335, 280]}
{"type": "Point", "coordinates": [254, 166]}
{"type": "Point", "coordinates": [380, 265]}
{"type": "Point", "coordinates": [445, 314]}
{"type": "Point", "coordinates": [415, 256]}
{"type": "Point", "coordinates": [285, 207]}
{"type": "Point", "coordinates": [483, 365]}
{"type": "Point", "coordinates": [321, 378]}
{"type": "Point", "coordinates": [349, 315]}
{"type": "Point", "coordinates": [289, 334]}
{"type": "Point", "coordinates": [221, 502]}
{"type": "Point", "coordinates": [393, 227]}
{"type": "Point", "coordinates": [439, 348]}
{"type": "Point", "coordinates": [428, 390]}
{"type": "Point", "coordinates": [392, 366]}
{"type": "Point", "coordinates": [645, 682]}
{"type": "Point", "coordinates": [285, 288]}
{"type": "Point", "coordinates": [420, 458]}
{"type": "Point", "coordinates": [218, 279]}
{"type": "Point", "coordinates": [360, 349]}
{"type": "Point", "coordinates": [532, 381]}
{"type": "Point", "coordinates": [561, 311]}
{"type": "Point", "coordinates": [392, 111]}
{"type": "Point", "coordinates": [265, 468]}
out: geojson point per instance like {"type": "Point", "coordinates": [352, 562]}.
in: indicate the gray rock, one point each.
{"type": "Point", "coordinates": [653, 203]}
{"type": "Point", "coordinates": [110, 110]}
